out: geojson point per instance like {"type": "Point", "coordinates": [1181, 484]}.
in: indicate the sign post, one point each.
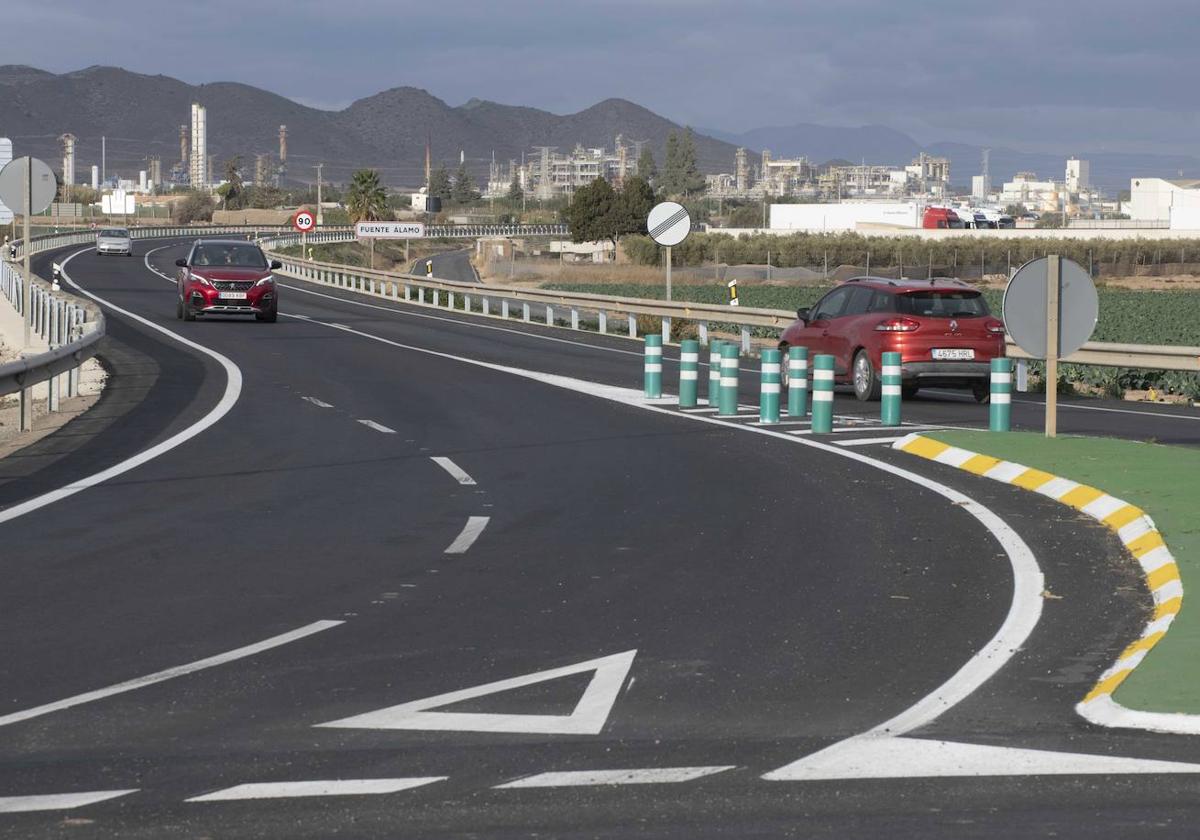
{"type": "Point", "coordinates": [1050, 310]}
{"type": "Point", "coordinates": [668, 224]}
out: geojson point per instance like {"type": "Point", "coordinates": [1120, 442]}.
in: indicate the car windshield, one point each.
{"type": "Point", "coordinates": [117, 232]}
{"type": "Point", "coordinates": [229, 254]}
{"type": "Point", "coordinates": [943, 304]}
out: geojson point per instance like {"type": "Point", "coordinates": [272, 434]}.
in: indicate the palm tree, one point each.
{"type": "Point", "coordinates": [366, 200]}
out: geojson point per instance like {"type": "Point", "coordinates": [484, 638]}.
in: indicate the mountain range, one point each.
{"type": "Point", "coordinates": [140, 115]}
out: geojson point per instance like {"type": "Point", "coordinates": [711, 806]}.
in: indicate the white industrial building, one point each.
{"type": "Point", "coordinates": [1025, 188]}
{"type": "Point", "coordinates": [1079, 176]}
{"type": "Point", "coordinates": [198, 158]}
{"type": "Point", "coordinates": [1176, 201]}
{"type": "Point", "coordinates": [849, 216]}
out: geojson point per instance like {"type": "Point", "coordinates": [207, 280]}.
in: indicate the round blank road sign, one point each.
{"type": "Point", "coordinates": [669, 223]}
{"type": "Point", "coordinates": [304, 221]}
{"type": "Point", "coordinates": [1025, 307]}
{"type": "Point", "coordinates": [12, 185]}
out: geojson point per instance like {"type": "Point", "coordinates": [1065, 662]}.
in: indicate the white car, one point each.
{"type": "Point", "coordinates": [114, 241]}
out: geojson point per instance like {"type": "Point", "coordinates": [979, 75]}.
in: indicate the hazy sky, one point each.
{"type": "Point", "coordinates": [1088, 75]}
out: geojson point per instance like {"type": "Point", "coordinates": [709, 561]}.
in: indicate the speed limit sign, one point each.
{"type": "Point", "coordinates": [304, 221]}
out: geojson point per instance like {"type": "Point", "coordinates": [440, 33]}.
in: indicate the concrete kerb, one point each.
{"type": "Point", "coordinates": [1141, 538]}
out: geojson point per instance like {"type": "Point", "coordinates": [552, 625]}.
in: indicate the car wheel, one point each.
{"type": "Point", "coordinates": [268, 317]}
{"type": "Point", "coordinates": [982, 391]}
{"type": "Point", "coordinates": [866, 381]}
{"type": "Point", "coordinates": [188, 314]}
{"type": "Point", "coordinates": [907, 392]}
{"type": "Point", "coordinates": [179, 309]}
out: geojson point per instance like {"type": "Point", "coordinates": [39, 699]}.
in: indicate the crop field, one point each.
{"type": "Point", "coordinates": [1126, 316]}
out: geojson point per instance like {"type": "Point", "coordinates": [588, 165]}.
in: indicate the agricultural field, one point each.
{"type": "Point", "coordinates": [1126, 316]}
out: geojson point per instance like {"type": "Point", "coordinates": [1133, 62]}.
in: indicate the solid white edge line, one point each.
{"type": "Point", "coordinates": [468, 535]}
{"type": "Point", "coordinates": [379, 427]}
{"type": "Point", "coordinates": [867, 441]}
{"type": "Point", "coordinates": [1028, 582]}
{"type": "Point", "coordinates": [233, 389]}
{"type": "Point", "coordinates": [330, 787]}
{"type": "Point", "coordinates": [57, 801]}
{"type": "Point", "coordinates": [171, 673]}
{"type": "Point", "coordinates": [643, 776]}
{"type": "Point", "coordinates": [456, 472]}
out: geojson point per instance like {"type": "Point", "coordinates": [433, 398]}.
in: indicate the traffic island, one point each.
{"type": "Point", "coordinates": [1146, 493]}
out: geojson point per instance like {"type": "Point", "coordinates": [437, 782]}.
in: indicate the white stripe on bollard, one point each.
{"type": "Point", "coordinates": [770, 387]}
{"type": "Point", "coordinates": [1002, 377]}
{"type": "Point", "coordinates": [1002, 399]}
{"type": "Point", "coordinates": [688, 374]}
{"type": "Point", "coordinates": [821, 396]}
{"type": "Point", "coordinates": [890, 390]}
{"type": "Point", "coordinates": [822, 375]}
{"type": "Point", "coordinates": [769, 367]}
{"type": "Point", "coordinates": [890, 370]}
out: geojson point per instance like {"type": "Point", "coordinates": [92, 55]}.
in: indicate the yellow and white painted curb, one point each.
{"type": "Point", "coordinates": [1137, 532]}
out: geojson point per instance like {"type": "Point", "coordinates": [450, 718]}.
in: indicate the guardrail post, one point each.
{"type": "Point", "coordinates": [768, 398]}
{"type": "Point", "coordinates": [549, 316]}
{"type": "Point", "coordinates": [437, 297]}
{"type": "Point", "coordinates": [395, 291]}
{"type": "Point", "coordinates": [727, 404]}
{"type": "Point", "coordinates": [1000, 407]}
{"type": "Point", "coordinates": [889, 400]}
{"type": "Point", "coordinates": [504, 309]}
{"type": "Point", "coordinates": [466, 303]}
{"type": "Point", "coordinates": [487, 306]}
{"type": "Point", "coordinates": [603, 322]}
{"type": "Point", "coordinates": [525, 312]}
{"type": "Point", "coordinates": [797, 381]}
{"type": "Point", "coordinates": [714, 372]}
{"type": "Point", "coordinates": [25, 423]}
{"type": "Point", "coordinates": [633, 326]}
{"type": "Point", "coordinates": [689, 372]}
{"type": "Point", "coordinates": [574, 318]}
{"type": "Point", "coordinates": [653, 364]}
{"type": "Point", "coordinates": [822, 394]}
{"type": "Point", "coordinates": [449, 300]}
{"type": "Point", "coordinates": [702, 326]}
{"type": "Point", "coordinates": [666, 329]}
{"type": "Point", "coordinates": [420, 294]}
{"type": "Point", "coordinates": [407, 292]}
{"type": "Point", "coordinates": [745, 339]}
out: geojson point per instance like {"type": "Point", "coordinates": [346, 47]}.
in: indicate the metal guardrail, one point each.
{"type": "Point", "coordinates": [413, 288]}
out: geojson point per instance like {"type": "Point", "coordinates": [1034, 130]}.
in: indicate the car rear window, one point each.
{"type": "Point", "coordinates": [114, 232]}
{"type": "Point", "coordinates": [943, 304]}
{"type": "Point", "coordinates": [229, 254]}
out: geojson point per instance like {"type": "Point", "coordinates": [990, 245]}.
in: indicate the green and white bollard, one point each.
{"type": "Point", "coordinates": [728, 403]}
{"type": "Point", "coordinates": [772, 383]}
{"type": "Point", "coordinates": [889, 402]}
{"type": "Point", "coordinates": [797, 381]}
{"type": "Point", "coordinates": [653, 366]}
{"type": "Point", "coordinates": [689, 372]}
{"type": "Point", "coordinates": [1000, 410]}
{"type": "Point", "coordinates": [714, 372]}
{"type": "Point", "coordinates": [822, 395]}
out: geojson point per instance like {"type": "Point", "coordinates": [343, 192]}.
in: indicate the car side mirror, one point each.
{"type": "Point", "coordinates": [802, 313]}
{"type": "Point", "coordinates": [276, 264]}
{"type": "Point", "coordinates": [181, 262]}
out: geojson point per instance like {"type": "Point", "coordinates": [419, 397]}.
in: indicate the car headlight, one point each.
{"type": "Point", "coordinates": [204, 281]}
{"type": "Point", "coordinates": [269, 280]}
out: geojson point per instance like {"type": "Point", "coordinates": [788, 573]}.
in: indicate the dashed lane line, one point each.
{"type": "Point", "coordinates": [470, 533]}
{"type": "Point", "coordinates": [318, 403]}
{"type": "Point", "coordinates": [57, 801]}
{"type": "Point", "coordinates": [588, 778]}
{"type": "Point", "coordinates": [456, 472]}
{"type": "Point", "coordinates": [170, 673]}
{"type": "Point", "coordinates": [379, 427]}
{"type": "Point", "coordinates": [332, 787]}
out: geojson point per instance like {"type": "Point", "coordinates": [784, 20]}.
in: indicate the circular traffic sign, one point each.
{"type": "Point", "coordinates": [669, 223]}
{"type": "Point", "coordinates": [1025, 307]}
{"type": "Point", "coordinates": [13, 188]}
{"type": "Point", "coordinates": [304, 221]}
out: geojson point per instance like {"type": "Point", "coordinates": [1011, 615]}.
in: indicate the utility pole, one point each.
{"type": "Point", "coordinates": [103, 160]}
{"type": "Point", "coordinates": [320, 217]}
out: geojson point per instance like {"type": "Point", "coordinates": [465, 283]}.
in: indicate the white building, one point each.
{"type": "Point", "coordinates": [1078, 175]}
{"type": "Point", "coordinates": [1165, 200]}
{"type": "Point", "coordinates": [1025, 188]}
{"type": "Point", "coordinates": [199, 156]}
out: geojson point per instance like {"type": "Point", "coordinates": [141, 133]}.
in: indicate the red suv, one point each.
{"type": "Point", "coordinates": [226, 277]}
{"type": "Point", "coordinates": [941, 327]}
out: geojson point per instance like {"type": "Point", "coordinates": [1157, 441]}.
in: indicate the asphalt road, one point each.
{"type": "Point", "coordinates": [741, 625]}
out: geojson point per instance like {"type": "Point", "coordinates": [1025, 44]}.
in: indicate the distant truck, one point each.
{"type": "Point", "coordinates": [940, 218]}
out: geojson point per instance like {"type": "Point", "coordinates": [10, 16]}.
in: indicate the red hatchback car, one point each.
{"type": "Point", "coordinates": [226, 277]}
{"type": "Point", "coordinates": [941, 327]}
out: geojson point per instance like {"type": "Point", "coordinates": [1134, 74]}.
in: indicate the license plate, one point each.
{"type": "Point", "coordinates": [231, 295]}
{"type": "Point", "coordinates": [957, 354]}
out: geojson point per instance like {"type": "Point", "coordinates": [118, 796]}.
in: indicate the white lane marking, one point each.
{"type": "Point", "coordinates": [456, 472]}
{"type": "Point", "coordinates": [643, 776]}
{"type": "Point", "coordinates": [171, 673]}
{"type": "Point", "coordinates": [146, 260]}
{"type": "Point", "coordinates": [867, 441]}
{"type": "Point", "coordinates": [233, 389]}
{"type": "Point", "coordinates": [894, 758]}
{"type": "Point", "coordinates": [379, 427]}
{"type": "Point", "coordinates": [468, 535]}
{"type": "Point", "coordinates": [318, 403]}
{"type": "Point", "coordinates": [865, 427]}
{"type": "Point", "coordinates": [331, 787]}
{"type": "Point", "coordinates": [588, 717]}
{"type": "Point", "coordinates": [57, 801]}
{"type": "Point", "coordinates": [1028, 582]}
{"type": "Point", "coordinates": [1078, 407]}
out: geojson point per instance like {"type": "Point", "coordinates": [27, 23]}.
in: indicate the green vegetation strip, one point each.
{"type": "Point", "coordinates": [1165, 482]}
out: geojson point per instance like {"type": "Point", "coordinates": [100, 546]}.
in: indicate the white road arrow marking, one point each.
{"type": "Point", "coordinates": [57, 801]}
{"type": "Point", "coordinates": [872, 757]}
{"type": "Point", "coordinates": [643, 776]}
{"type": "Point", "coordinates": [588, 718]}
{"type": "Point", "coordinates": [332, 787]}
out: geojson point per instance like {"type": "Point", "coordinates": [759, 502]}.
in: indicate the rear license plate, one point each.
{"type": "Point", "coordinates": [957, 354]}
{"type": "Point", "coordinates": [231, 295]}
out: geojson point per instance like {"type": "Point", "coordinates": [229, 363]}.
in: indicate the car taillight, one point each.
{"type": "Point", "coordinates": [897, 325]}
{"type": "Point", "coordinates": [995, 327]}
